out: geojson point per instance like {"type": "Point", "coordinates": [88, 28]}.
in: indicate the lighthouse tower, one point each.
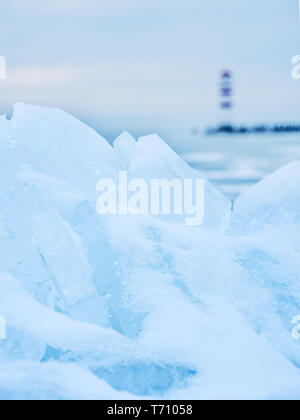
{"type": "Point", "coordinates": [226, 103]}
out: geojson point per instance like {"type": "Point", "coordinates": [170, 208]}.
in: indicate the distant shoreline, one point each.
{"type": "Point", "coordinates": [257, 129]}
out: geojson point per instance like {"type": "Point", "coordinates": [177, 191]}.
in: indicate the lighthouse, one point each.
{"type": "Point", "coordinates": [226, 103]}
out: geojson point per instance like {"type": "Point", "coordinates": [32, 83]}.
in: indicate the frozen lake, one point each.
{"type": "Point", "coordinates": [233, 163]}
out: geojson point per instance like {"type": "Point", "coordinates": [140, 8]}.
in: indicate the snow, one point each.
{"type": "Point", "coordinates": [125, 307]}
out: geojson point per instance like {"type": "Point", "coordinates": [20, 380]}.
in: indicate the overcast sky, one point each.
{"type": "Point", "coordinates": [136, 64]}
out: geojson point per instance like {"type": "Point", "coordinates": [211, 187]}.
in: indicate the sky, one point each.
{"type": "Point", "coordinates": [147, 65]}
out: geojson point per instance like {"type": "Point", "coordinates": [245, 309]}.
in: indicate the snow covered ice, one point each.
{"type": "Point", "coordinates": [101, 307]}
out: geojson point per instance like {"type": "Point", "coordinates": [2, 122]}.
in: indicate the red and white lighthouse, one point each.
{"type": "Point", "coordinates": [226, 90]}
